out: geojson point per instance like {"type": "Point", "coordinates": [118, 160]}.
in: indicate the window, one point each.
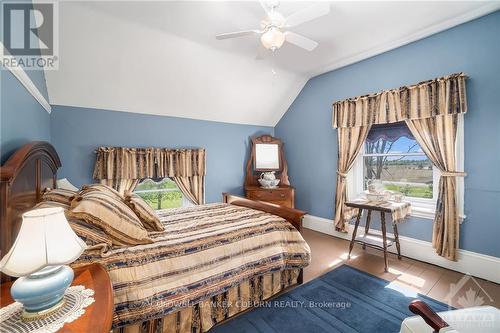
{"type": "Point", "coordinates": [392, 155]}
{"type": "Point", "coordinates": [161, 193]}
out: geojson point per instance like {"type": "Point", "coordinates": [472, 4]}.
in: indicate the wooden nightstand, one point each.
{"type": "Point", "coordinates": [99, 315]}
{"type": "Point", "coordinates": [283, 195]}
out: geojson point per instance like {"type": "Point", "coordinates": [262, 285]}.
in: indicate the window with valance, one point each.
{"type": "Point", "coordinates": [393, 135]}
{"type": "Point", "coordinates": [123, 168]}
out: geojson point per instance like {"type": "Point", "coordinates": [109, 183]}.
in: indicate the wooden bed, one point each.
{"type": "Point", "coordinates": [30, 170]}
{"type": "Point", "coordinates": [292, 215]}
{"type": "Point", "coordinates": [33, 168]}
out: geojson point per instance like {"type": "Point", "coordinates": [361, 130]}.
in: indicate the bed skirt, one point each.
{"type": "Point", "coordinates": [202, 316]}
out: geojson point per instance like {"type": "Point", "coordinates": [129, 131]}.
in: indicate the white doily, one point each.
{"type": "Point", "coordinates": [77, 298]}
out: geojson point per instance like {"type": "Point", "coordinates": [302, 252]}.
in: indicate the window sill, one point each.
{"type": "Point", "coordinates": [422, 208]}
{"type": "Point", "coordinates": [428, 213]}
{"type": "Point", "coordinates": [425, 213]}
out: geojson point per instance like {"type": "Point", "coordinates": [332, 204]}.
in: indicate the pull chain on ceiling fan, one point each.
{"type": "Point", "coordinates": [272, 28]}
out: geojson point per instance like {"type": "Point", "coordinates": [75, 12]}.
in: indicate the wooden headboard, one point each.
{"type": "Point", "coordinates": [23, 178]}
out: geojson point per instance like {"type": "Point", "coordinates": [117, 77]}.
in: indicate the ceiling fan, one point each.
{"type": "Point", "coordinates": [273, 27]}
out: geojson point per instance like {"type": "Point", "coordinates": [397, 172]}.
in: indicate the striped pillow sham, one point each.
{"type": "Point", "coordinates": [91, 234]}
{"type": "Point", "coordinates": [144, 211]}
{"type": "Point", "coordinates": [59, 195]}
{"type": "Point", "coordinates": [102, 188]}
{"type": "Point", "coordinates": [117, 220]}
{"type": "Point", "coordinates": [52, 204]}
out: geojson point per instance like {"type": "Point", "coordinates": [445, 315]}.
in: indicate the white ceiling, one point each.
{"type": "Point", "coordinates": [162, 57]}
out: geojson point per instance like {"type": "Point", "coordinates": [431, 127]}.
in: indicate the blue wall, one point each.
{"type": "Point", "coordinates": [76, 132]}
{"type": "Point", "coordinates": [22, 118]}
{"type": "Point", "coordinates": [311, 143]}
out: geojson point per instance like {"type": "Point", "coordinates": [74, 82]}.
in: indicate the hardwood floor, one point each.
{"type": "Point", "coordinates": [328, 252]}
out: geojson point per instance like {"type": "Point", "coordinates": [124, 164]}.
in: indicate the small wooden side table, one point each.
{"type": "Point", "coordinates": [98, 316]}
{"type": "Point", "coordinates": [374, 240]}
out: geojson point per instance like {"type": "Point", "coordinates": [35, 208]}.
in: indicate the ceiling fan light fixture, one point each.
{"type": "Point", "coordinates": [273, 38]}
{"type": "Point", "coordinates": [274, 27]}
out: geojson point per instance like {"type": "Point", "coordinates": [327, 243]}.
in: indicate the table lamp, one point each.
{"type": "Point", "coordinates": [39, 257]}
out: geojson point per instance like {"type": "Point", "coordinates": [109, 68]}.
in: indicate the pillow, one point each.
{"type": "Point", "coordinates": [91, 234]}
{"type": "Point", "coordinates": [144, 211]}
{"type": "Point", "coordinates": [60, 195]}
{"type": "Point", "coordinates": [65, 184]}
{"type": "Point", "coordinates": [117, 220]}
{"type": "Point", "coordinates": [102, 188]}
{"type": "Point", "coordinates": [52, 204]}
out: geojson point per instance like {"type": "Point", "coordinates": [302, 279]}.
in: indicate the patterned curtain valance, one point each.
{"type": "Point", "coordinates": [440, 96]}
{"type": "Point", "coordinates": [140, 163]}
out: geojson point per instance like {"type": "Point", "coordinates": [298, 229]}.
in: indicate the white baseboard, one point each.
{"type": "Point", "coordinates": [475, 264]}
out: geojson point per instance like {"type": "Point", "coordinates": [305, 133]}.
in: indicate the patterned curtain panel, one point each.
{"type": "Point", "coordinates": [122, 167]}
{"type": "Point", "coordinates": [192, 187]}
{"type": "Point", "coordinates": [441, 96]}
{"type": "Point", "coordinates": [437, 137]}
{"type": "Point", "coordinates": [351, 140]}
{"type": "Point", "coordinates": [121, 185]}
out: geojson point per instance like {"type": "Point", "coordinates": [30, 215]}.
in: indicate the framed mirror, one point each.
{"type": "Point", "coordinates": [266, 154]}
{"type": "Point", "coordinates": [267, 157]}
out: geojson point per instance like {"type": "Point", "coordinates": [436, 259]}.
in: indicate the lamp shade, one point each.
{"type": "Point", "coordinates": [45, 239]}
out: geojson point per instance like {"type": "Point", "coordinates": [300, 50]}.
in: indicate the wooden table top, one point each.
{"type": "Point", "coordinates": [99, 315]}
{"type": "Point", "coordinates": [386, 207]}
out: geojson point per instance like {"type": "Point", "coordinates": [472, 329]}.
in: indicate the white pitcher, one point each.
{"type": "Point", "coordinates": [268, 175]}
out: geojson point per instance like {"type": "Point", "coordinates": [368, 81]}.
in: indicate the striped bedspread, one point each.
{"type": "Point", "coordinates": [204, 251]}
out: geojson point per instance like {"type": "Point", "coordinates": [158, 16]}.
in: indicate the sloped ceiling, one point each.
{"type": "Point", "coordinates": [162, 58]}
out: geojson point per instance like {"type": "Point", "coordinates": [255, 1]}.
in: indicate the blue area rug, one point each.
{"type": "Point", "coordinates": [343, 300]}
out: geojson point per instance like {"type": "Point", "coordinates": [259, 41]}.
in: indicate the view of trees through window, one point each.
{"type": "Point", "coordinates": [400, 164]}
{"type": "Point", "coordinates": [160, 193]}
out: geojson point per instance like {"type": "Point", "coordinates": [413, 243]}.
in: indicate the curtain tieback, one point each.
{"type": "Point", "coordinates": [453, 174]}
{"type": "Point", "coordinates": [341, 174]}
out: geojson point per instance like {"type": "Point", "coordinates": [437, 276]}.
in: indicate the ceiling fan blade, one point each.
{"type": "Point", "coordinates": [307, 14]}
{"type": "Point", "coordinates": [262, 53]}
{"type": "Point", "coordinates": [238, 34]}
{"type": "Point", "coordinates": [300, 41]}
